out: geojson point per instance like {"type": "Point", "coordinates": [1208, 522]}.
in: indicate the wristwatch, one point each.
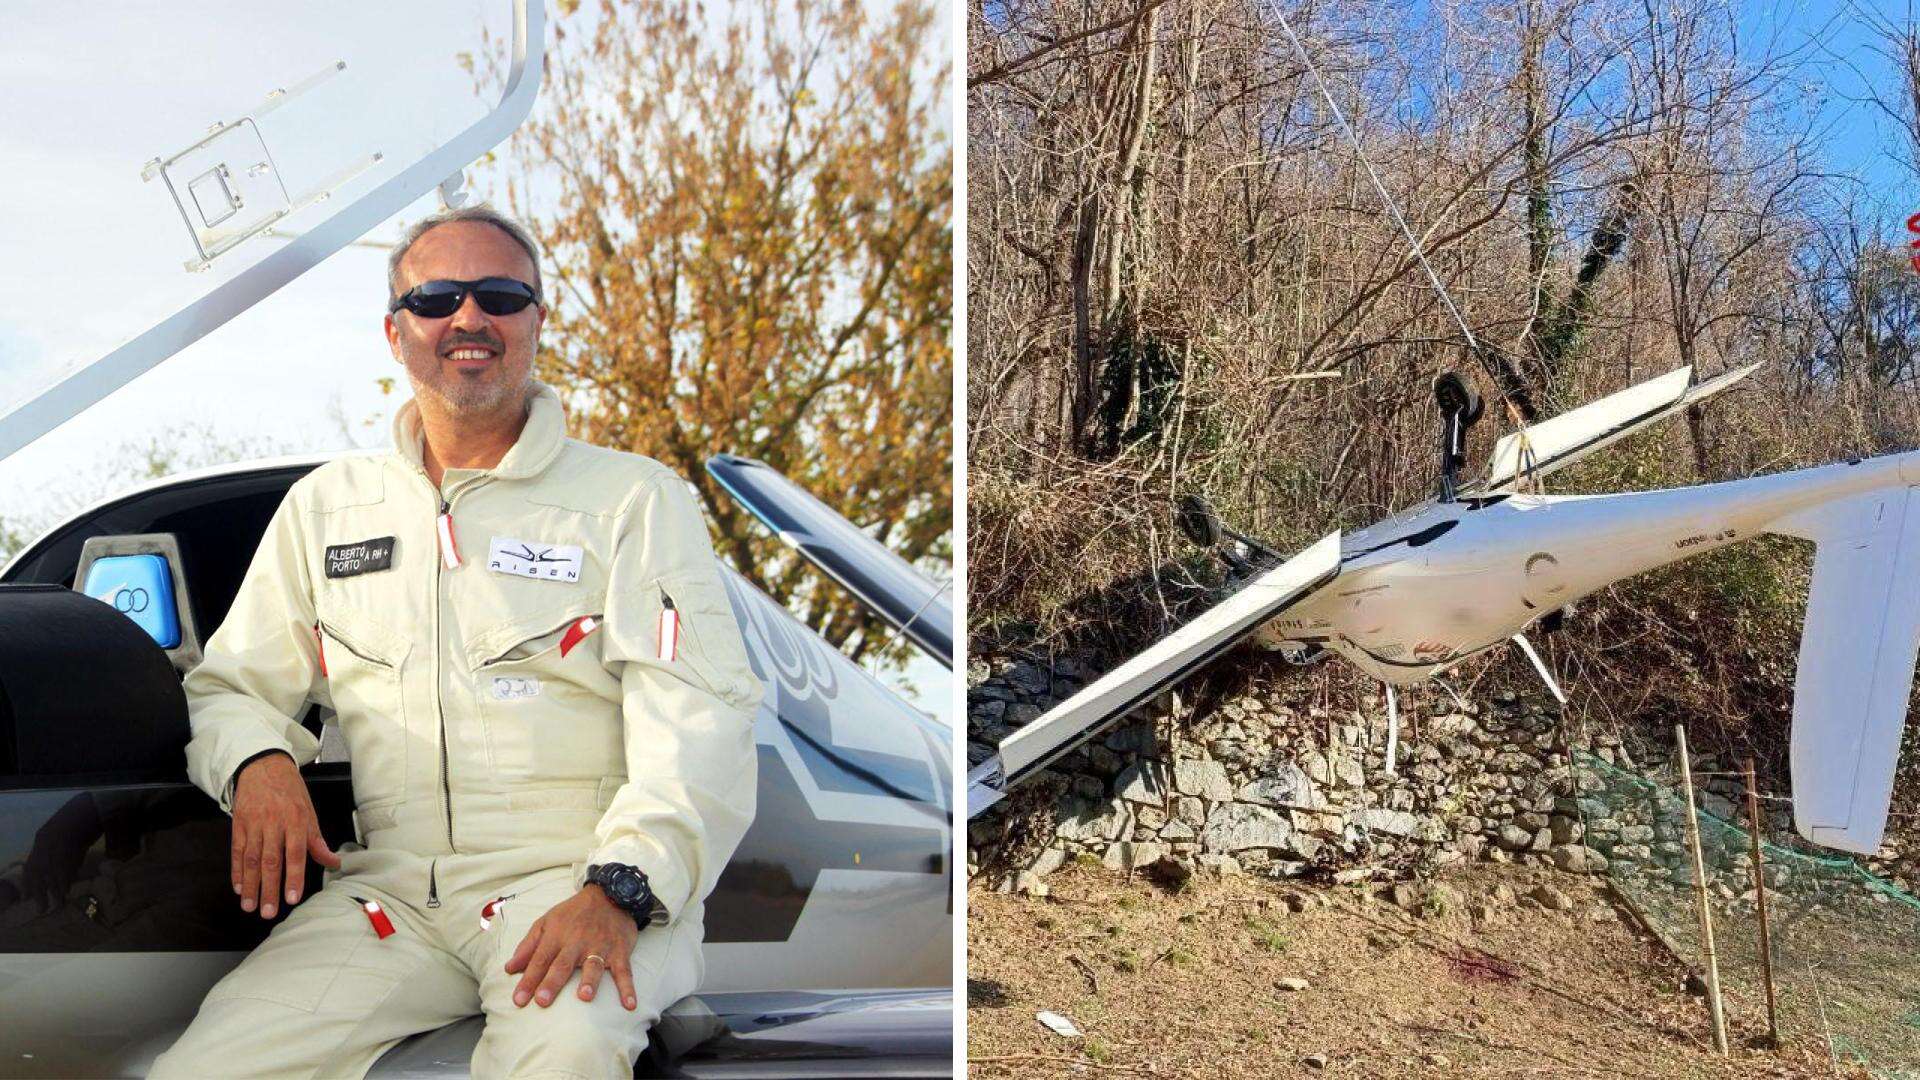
{"type": "Point", "coordinates": [629, 891]}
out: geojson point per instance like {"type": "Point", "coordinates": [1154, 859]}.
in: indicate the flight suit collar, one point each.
{"type": "Point", "coordinates": [539, 443]}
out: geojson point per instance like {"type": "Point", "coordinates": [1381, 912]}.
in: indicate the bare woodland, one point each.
{"type": "Point", "coordinates": [1181, 280]}
{"type": "Point", "coordinates": [746, 218]}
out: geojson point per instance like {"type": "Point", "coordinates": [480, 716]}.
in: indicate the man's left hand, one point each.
{"type": "Point", "coordinates": [585, 932]}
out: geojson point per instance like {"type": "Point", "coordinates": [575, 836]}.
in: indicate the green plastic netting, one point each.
{"type": "Point", "coordinates": [1846, 944]}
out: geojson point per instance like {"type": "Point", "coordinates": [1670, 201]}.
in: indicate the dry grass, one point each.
{"type": "Point", "coordinates": [1184, 985]}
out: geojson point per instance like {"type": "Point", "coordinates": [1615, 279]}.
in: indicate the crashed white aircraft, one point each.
{"type": "Point", "coordinates": [1407, 598]}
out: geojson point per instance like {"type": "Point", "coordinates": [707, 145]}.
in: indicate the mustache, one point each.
{"type": "Point", "coordinates": [459, 341]}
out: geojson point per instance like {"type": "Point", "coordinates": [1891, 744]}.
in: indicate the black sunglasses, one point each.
{"type": "Point", "coordinates": [439, 299]}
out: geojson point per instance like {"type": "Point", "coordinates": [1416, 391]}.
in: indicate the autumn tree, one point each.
{"type": "Point", "coordinates": [745, 212]}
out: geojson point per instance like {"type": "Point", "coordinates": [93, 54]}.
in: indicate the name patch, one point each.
{"type": "Point", "coordinates": [364, 557]}
{"type": "Point", "coordinates": [541, 562]}
{"type": "Point", "coordinates": [514, 689]}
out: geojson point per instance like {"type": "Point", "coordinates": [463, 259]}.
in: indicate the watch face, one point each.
{"type": "Point", "coordinates": [625, 886]}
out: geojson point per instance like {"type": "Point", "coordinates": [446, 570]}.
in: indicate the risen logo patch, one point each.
{"type": "Point", "coordinates": [364, 557]}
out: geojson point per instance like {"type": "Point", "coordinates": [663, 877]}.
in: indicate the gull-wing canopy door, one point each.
{"type": "Point", "coordinates": [905, 598]}
{"type": "Point", "coordinates": [168, 166]}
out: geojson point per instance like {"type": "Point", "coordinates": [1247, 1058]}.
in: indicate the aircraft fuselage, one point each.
{"type": "Point", "coordinates": [1419, 592]}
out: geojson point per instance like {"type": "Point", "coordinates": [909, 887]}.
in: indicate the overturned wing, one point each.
{"type": "Point", "coordinates": [887, 584]}
{"type": "Point", "coordinates": [1856, 665]}
{"type": "Point", "coordinates": [1121, 690]}
{"type": "Point", "coordinates": [1569, 437]}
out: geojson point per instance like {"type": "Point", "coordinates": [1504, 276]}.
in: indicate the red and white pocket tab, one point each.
{"type": "Point", "coordinates": [491, 908]}
{"type": "Point", "coordinates": [320, 642]}
{"type": "Point", "coordinates": [669, 639]}
{"type": "Point", "coordinates": [449, 544]}
{"type": "Point", "coordinates": [577, 632]}
{"type": "Point", "coordinates": [382, 925]}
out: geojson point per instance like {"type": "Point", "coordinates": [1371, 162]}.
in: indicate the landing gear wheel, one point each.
{"type": "Point", "coordinates": [1198, 521]}
{"type": "Point", "coordinates": [1458, 398]}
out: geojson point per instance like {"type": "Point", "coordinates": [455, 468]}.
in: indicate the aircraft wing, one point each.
{"type": "Point", "coordinates": [886, 583]}
{"type": "Point", "coordinates": [1134, 682]}
{"type": "Point", "coordinates": [1571, 436]}
{"type": "Point", "coordinates": [1856, 665]}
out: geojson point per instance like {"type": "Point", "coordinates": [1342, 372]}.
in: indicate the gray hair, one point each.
{"type": "Point", "coordinates": [475, 212]}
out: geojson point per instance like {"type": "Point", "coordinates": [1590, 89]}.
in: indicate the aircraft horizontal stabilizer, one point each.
{"type": "Point", "coordinates": [1572, 436]}
{"type": "Point", "coordinates": [1136, 681]}
{"type": "Point", "coordinates": [1856, 664]}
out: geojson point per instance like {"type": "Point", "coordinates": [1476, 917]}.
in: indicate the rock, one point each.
{"type": "Point", "coordinates": [1135, 738]}
{"type": "Point", "coordinates": [1305, 845]}
{"type": "Point", "coordinates": [1177, 830]}
{"type": "Point", "coordinates": [1551, 898]}
{"type": "Point", "coordinates": [1143, 782]}
{"type": "Point", "coordinates": [1206, 779]}
{"type": "Point", "coordinates": [1314, 1061]}
{"type": "Point", "coordinates": [1390, 822]}
{"type": "Point", "coordinates": [1288, 786]}
{"type": "Point", "coordinates": [1347, 772]}
{"type": "Point", "coordinates": [1406, 896]}
{"type": "Point", "coordinates": [1104, 821]}
{"type": "Point", "coordinates": [1149, 818]}
{"type": "Point", "coordinates": [1315, 765]}
{"type": "Point", "coordinates": [1513, 838]}
{"type": "Point", "coordinates": [1190, 810]}
{"type": "Point", "coordinates": [1565, 829]}
{"type": "Point", "coordinates": [1104, 761]}
{"type": "Point", "coordinates": [1572, 859]}
{"type": "Point", "coordinates": [1028, 883]}
{"type": "Point", "coordinates": [1290, 985]}
{"type": "Point", "coordinates": [1021, 714]}
{"type": "Point", "coordinates": [1223, 865]}
{"type": "Point", "coordinates": [1129, 856]}
{"type": "Point", "coordinates": [1239, 826]}
{"type": "Point", "coordinates": [1049, 860]}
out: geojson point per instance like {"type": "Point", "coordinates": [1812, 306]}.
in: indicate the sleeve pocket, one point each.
{"type": "Point", "coordinates": [693, 629]}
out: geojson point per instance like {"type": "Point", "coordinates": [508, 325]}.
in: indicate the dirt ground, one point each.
{"type": "Point", "coordinates": [1191, 982]}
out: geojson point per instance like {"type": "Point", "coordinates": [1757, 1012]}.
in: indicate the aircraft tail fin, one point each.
{"type": "Point", "coordinates": [1856, 664]}
{"type": "Point", "coordinates": [889, 586]}
{"type": "Point", "coordinates": [1139, 679]}
{"type": "Point", "coordinates": [1557, 443]}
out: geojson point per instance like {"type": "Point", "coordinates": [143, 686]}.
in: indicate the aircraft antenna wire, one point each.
{"type": "Point", "coordinates": [1419, 252]}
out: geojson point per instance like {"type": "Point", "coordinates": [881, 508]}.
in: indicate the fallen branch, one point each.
{"type": "Point", "coordinates": [1082, 1062]}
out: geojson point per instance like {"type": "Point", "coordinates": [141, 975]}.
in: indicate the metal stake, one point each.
{"type": "Point", "coordinates": [1700, 893]}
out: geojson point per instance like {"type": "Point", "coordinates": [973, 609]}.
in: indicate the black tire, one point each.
{"type": "Point", "coordinates": [1456, 395]}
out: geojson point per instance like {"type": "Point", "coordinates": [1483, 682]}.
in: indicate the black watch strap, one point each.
{"type": "Point", "coordinates": [645, 909]}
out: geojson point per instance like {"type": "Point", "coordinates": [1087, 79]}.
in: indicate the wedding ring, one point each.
{"type": "Point", "coordinates": [596, 956]}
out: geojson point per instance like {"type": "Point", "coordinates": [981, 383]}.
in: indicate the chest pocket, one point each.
{"type": "Point", "coordinates": [549, 711]}
{"type": "Point", "coordinates": [363, 677]}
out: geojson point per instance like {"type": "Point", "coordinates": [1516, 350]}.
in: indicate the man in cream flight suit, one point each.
{"type": "Point", "coordinates": [546, 702]}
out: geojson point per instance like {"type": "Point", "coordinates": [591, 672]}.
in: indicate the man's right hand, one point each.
{"type": "Point", "coordinates": [274, 830]}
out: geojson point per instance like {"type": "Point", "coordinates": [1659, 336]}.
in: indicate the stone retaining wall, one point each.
{"type": "Point", "coordinates": [1267, 784]}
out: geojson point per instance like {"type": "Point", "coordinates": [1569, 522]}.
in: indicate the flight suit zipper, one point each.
{"type": "Point", "coordinates": [443, 525]}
